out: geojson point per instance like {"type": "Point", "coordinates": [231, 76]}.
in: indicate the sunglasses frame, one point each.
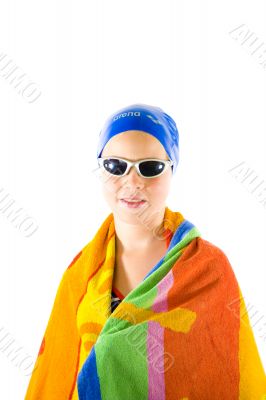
{"type": "Point", "coordinates": [167, 163]}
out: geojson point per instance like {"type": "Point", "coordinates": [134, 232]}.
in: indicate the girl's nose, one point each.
{"type": "Point", "coordinates": [133, 178]}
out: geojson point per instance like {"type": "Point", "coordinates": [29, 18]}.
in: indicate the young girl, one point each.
{"type": "Point", "coordinates": [148, 309]}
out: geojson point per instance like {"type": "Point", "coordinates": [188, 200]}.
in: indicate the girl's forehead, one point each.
{"type": "Point", "coordinates": [134, 145]}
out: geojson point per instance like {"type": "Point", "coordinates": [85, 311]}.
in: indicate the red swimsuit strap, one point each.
{"type": "Point", "coordinates": [118, 293]}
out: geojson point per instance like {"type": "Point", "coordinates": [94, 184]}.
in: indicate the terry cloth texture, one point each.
{"type": "Point", "coordinates": [182, 333]}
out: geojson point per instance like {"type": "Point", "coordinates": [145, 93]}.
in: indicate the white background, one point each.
{"type": "Point", "coordinates": [90, 59]}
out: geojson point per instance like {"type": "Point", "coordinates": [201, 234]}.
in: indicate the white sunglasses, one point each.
{"type": "Point", "coordinates": [147, 168]}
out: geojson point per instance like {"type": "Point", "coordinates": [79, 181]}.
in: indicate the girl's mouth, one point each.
{"type": "Point", "coordinates": [132, 203]}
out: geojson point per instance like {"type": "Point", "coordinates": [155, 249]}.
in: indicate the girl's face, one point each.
{"type": "Point", "coordinates": [135, 145]}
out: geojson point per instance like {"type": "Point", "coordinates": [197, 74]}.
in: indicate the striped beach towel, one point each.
{"type": "Point", "coordinates": [182, 334]}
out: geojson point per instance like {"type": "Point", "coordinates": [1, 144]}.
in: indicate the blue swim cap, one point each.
{"type": "Point", "coordinates": [145, 118]}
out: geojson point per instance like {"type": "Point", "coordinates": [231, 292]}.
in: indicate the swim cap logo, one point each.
{"type": "Point", "coordinates": [127, 114]}
{"type": "Point", "coordinates": [156, 121]}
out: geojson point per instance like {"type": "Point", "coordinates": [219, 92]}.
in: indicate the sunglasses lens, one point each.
{"type": "Point", "coordinates": [151, 168]}
{"type": "Point", "coordinates": [115, 167]}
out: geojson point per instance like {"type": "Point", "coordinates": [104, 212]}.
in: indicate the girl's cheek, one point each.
{"type": "Point", "coordinates": [160, 189]}
{"type": "Point", "coordinates": [110, 183]}
{"type": "Point", "coordinates": [157, 185]}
